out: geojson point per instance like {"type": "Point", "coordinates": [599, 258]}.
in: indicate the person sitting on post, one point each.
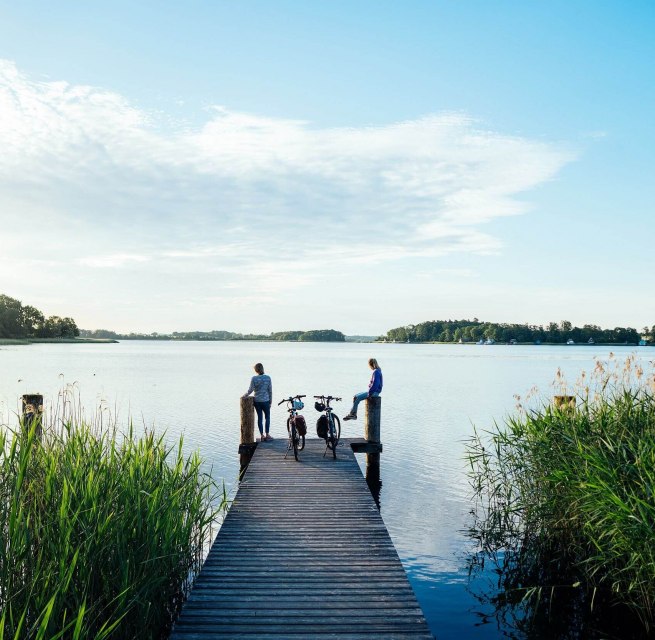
{"type": "Point", "coordinates": [374, 389]}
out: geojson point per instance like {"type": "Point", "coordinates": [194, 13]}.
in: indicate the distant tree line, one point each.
{"type": "Point", "coordinates": [24, 321]}
{"type": "Point", "coordinates": [553, 332]}
{"type": "Point", "coordinates": [320, 335]}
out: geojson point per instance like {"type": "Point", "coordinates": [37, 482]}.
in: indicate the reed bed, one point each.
{"type": "Point", "coordinates": [565, 499]}
{"type": "Point", "coordinates": [100, 531]}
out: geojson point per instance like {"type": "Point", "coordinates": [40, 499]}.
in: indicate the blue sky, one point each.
{"type": "Point", "coordinates": [258, 166]}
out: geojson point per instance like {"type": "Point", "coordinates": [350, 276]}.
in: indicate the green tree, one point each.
{"type": "Point", "coordinates": [11, 325]}
{"type": "Point", "coordinates": [32, 320]}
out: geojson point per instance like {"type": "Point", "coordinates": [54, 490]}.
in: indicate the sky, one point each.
{"type": "Point", "coordinates": [258, 166]}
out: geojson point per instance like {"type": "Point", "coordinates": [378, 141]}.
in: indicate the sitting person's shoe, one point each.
{"type": "Point", "coordinates": [350, 416]}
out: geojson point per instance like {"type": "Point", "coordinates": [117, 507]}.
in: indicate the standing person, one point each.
{"type": "Point", "coordinates": [374, 389]}
{"type": "Point", "coordinates": [263, 389]}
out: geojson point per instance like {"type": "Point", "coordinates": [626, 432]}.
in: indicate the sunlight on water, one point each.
{"type": "Point", "coordinates": [433, 394]}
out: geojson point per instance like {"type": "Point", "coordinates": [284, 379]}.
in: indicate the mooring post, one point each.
{"type": "Point", "coordinates": [33, 412]}
{"type": "Point", "coordinates": [247, 443]}
{"type": "Point", "coordinates": [564, 402]}
{"type": "Point", "coordinates": [372, 436]}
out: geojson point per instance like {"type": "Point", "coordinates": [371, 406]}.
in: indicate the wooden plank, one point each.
{"type": "Point", "coordinates": [302, 553]}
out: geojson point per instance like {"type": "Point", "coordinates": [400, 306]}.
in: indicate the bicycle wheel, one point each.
{"type": "Point", "coordinates": [291, 430]}
{"type": "Point", "coordinates": [301, 442]}
{"type": "Point", "coordinates": [334, 434]}
{"type": "Point", "coordinates": [294, 438]}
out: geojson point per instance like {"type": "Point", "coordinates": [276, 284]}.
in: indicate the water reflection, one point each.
{"type": "Point", "coordinates": [561, 608]}
{"type": "Point", "coordinates": [373, 476]}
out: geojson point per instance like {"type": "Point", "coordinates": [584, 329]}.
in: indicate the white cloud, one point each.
{"type": "Point", "coordinates": [112, 261]}
{"type": "Point", "coordinates": [246, 201]}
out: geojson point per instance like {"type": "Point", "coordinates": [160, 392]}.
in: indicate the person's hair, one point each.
{"type": "Point", "coordinates": [259, 368]}
{"type": "Point", "coordinates": [373, 363]}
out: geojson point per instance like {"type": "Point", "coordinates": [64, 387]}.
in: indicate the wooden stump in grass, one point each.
{"type": "Point", "coordinates": [33, 412]}
{"type": "Point", "coordinates": [565, 402]}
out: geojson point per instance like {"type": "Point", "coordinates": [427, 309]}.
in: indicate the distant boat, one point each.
{"type": "Point", "coordinates": [642, 343]}
{"type": "Point", "coordinates": [590, 341]}
{"type": "Point", "coordinates": [570, 341]}
{"type": "Point", "coordinates": [489, 341]}
{"type": "Point", "coordinates": [480, 341]}
{"type": "Point", "coordinates": [513, 341]}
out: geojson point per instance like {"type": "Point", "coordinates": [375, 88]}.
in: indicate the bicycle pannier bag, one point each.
{"type": "Point", "coordinates": [322, 427]}
{"type": "Point", "coordinates": [301, 425]}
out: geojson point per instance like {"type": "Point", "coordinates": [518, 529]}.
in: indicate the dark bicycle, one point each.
{"type": "Point", "coordinates": [328, 425]}
{"type": "Point", "coordinates": [296, 425]}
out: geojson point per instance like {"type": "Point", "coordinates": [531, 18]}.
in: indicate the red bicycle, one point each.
{"type": "Point", "coordinates": [296, 425]}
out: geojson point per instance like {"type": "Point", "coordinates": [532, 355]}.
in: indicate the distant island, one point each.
{"type": "Point", "coordinates": [473, 331]}
{"type": "Point", "coordinates": [315, 335]}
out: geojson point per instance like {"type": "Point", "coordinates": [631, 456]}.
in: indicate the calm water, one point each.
{"type": "Point", "coordinates": [433, 394]}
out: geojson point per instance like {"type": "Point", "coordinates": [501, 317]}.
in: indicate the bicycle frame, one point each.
{"type": "Point", "coordinates": [334, 433]}
{"type": "Point", "coordinates": [296, 441]}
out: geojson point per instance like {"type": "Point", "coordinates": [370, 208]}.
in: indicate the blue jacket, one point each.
{"type": "Point", "coordinates": [375, 385]}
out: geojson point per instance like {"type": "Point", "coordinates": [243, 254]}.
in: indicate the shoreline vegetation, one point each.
{"type": "Point", "coordinates": [100, 531]}
{"type": "Point", "coordinates": [11, 341]}
{"type": "Point", "coordinates": [23, 324]}
{"type": "Point", "coordinates": [565, 508]}
{"type": "Point", "coordinates": [477, 331]}
{"type": "Point", "coordinates": [314, 335]}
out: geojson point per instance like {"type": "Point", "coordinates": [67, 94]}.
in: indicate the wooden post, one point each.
{"type": "Point", "coordinates": [247, 420]}
{"type": "Point", "coordinates": [247, 442]}
{"type": "Point", "coordinates": [372, 436]}
{"type": "Point", "coordinates": [33, 412]}
{"type": "Point", "coordinates": [372, 419]}
{"type": "Point", "coordinates": [565, 402]}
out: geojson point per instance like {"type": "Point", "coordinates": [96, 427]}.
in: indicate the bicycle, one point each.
{"type": "Point", "coordinates": [296, 426]}
{"type": "Point", "coordinates": [328, 424]}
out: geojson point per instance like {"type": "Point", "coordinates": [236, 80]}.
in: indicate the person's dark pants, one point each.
{"type": "Point", "coordinates": [263, 409]}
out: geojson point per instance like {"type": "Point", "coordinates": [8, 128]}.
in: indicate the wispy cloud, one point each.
{"type": "Point", "coordinates": [246, 194]}
{"type": "Point", "coordinates": [112, 261]}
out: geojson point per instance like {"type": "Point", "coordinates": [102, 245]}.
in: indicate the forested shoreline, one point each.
{"type": "Point", "coordinates": [18, 322]}
{"type": "Point", "coordinates": [315, 335]}
{"type": "Point", "coordinates": [552, 333]}
{"type": "Point", "coordinates": [23, 323]}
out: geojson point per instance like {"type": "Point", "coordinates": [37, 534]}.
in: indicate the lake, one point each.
{"type": "Point", "coordinates": [433, 395]}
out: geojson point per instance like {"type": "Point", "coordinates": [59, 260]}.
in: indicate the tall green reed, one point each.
{"type": "Point", "coordinates": [100, 530]}
{"type": "Point", "coordinates": [565, 497]}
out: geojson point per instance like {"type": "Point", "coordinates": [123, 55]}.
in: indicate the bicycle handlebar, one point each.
{"type": "Point", "coordinates": [290, 399]}
{"type": "Point", "coordinates": [328, 398]}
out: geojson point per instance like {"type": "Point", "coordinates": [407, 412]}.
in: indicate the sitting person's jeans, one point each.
{"type": "Point", "coordinates": [358, 398]}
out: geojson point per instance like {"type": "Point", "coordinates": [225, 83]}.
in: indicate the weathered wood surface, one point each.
{"type": "Point", "coordinates": [303, 553]}
{"type": "Point", "coordinates": [372, 419]}
{"type": "Point", "coordinates": [247, 410]}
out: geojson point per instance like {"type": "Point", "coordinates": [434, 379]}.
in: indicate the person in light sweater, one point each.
{"type": "Point", "coordinates": [262, 387]}
{"type": "Point", "coordinates": [374, 389]}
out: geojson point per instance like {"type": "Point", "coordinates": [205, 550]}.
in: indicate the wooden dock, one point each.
{"type": "Point", "coordinates": [303, 553]}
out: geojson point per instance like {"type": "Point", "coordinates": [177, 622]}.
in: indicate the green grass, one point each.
{"type": "Point", "coordinates": [566, 497]}
{"type": "Point", "coordinates": [99, 532]}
